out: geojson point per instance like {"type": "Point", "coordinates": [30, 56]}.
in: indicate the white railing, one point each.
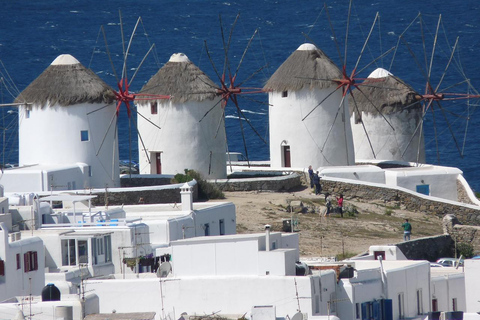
{"type": "Point", "coordinates": [110, 223]}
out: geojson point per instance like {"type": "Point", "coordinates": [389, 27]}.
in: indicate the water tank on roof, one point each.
{"type": "Point", "coordinates": [50, 293]}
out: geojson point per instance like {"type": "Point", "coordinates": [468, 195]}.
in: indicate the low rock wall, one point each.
{"type": "Point", "coordinates": [282, 183]}
{"type": "Point", "coordinates": [136, 180]}
{"type": "Point", "coordinates": [143, 195]}
{"type": "Point", "coordinates": [431, 248]}
{"type": "Point", "coordinates": [462, 233]}
{"type": "Point", "coordinates": [466, 214]}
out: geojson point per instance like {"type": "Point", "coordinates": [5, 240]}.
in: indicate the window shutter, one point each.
{"type": "Point", "coordinates": [19, 264]}
{"type": "Point", "coordinates": [35, 260]}
{"type": "Point", "coordinates": [26, 262]}
{"type": "Point", "coordinates": [2, 268]}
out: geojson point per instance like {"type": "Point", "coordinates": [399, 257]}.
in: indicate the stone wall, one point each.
{"type": "Point", "coordinates": [282, 183]}
{"type": "Point", "coordinates": [466, 214]}
{"type": "Point", "coordinates": [141, 195]}
{"type": "Point", "coordinates": [462, 233]}
{"type": "Point", "coordinates": [137, 180]}
{"type": "Point", "coordinates": [462, 193]}
{"type": "Point", "coordinates": [431, 248]}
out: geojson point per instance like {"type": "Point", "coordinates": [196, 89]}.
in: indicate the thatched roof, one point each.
{"type": "Point", "coordinates": [66, 82]}
{"type": "Point", "coordinates": [182, 80]}
{"type": "Point", "coordinates": [301, 69]}
{"type": "Point", "coordinates": [388, 93]}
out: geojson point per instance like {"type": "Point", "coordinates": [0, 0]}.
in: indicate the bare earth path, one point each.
{"type": "Point", "coordinates": [375, 223]}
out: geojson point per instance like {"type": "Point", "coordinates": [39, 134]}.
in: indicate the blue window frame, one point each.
{"type": "Point", "coordinates": [84, 135]}
{"type": "Point", "coordinates": [423, 189]}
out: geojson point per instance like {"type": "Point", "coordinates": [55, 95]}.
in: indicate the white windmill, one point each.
{"type": "Point", "coordinates": [325, 137]}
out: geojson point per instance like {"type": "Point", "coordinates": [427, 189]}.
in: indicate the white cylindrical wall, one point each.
{"type": "Point", "coordinates": [324, 138]}
{"type": "Point", "coordinates": [403, 142]}
{"type": "Point", "coordinates": [183, 142]}
{"type": "Point", "coordinates": [52, 135]}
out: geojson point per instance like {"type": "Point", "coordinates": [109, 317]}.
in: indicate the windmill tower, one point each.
{"type": "Point", "coordinates": [182, 142]}
{"type": "Point", "coordinates": [392, 125]}
{"type": "Point", "coordinates": [303, 86]}
{"type": "Point", "coordinates": [57, 125]}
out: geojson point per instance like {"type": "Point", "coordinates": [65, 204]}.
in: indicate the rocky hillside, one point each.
{"type": "Point", "coordinates": [364, 223]}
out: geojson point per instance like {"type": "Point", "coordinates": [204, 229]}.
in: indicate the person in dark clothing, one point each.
{"type": "Point", "coordinates": [310, 175]}
{"type": "Point", "coordinates": [316, 182]}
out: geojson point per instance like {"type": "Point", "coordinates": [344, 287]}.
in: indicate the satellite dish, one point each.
{"type": "Point", "coordinates": [164, 270]}
{"type": "Point", "coordinates": [297, 316]}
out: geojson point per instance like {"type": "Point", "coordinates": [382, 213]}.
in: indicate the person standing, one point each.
{"type": "Point", "coordinates": [340, 204]}
{"type": "Point", "coordinates": [328, 204]}
{"type": "Point", "coordinates": [310, 174]}
{"type": "Point", "coordinates": [316, 182]}
{"type": "Point", "coordinates": [407, 230]}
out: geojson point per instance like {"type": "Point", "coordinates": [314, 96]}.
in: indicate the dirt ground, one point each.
{"type": "Point", "coordinates": [365, 223]}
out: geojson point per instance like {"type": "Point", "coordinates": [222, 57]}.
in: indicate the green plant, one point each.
{"type": "Point", "coordinates": [345, 255]}
{"type": "Point", "coordinates": [465, 249]}
{"type": "Point", "coordinates": [350, 211]}
{"type": "Point", "coordinates": [206, 190]}
{"type": "Point", "coordinates": [388, 212]}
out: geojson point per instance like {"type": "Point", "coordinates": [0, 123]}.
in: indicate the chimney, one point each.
{"type": "Point", "coordinates": [187, 197]}
{"type": "Point", "coordinates": [267, 237]}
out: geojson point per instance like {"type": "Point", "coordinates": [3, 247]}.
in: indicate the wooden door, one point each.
{"type": "Point", "coordinates": [158, 162]}
{"type": "Point", "coordinates": [286, 157]}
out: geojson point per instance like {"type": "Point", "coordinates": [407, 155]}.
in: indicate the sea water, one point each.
{"type": "Point", "coordinates": [34, 33]}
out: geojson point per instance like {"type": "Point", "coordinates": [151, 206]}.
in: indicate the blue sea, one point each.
{"type": "Point", "coordinates": [34, 33]}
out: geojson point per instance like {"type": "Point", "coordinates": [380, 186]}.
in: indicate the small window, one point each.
{"type": "Point", "coordinates": [153, 108]}
{"type": "Point", "coordinates": [30, 261]}
{"type": "Point", "coordinates": [108, 248]}
{"type": "Point", "coordinates": [100, 246]}
{"type": "Point", "coordinates": [2, 268]}
{"type": "Point", "coordinates": [419, 302]}
{"type": "Point", "coordinates": [423, 189]}
{"type": "Point", "coordinates": [284, 94]}
{"type": "Point", "coordinates": [222, 227]}
{"type": "Point", "coordinates": [401, 311]}
{"type": "Point", "coordinates": [19, 264]}
{"type": "Point", "coordinates": [454, 304]}
{"type": "Point", "coordinates": [82, 251]}
{"type": "Point", "coordinates": [89, 171]}
{"type": "Point", "coordinates": [69, 252]}
{"type": "Point", "coordinates": [84, 135]}
{"type": "Point", "coordinates": [27, 113]}
{"type": "Point", "coordinates": [378, 254]}
{"type": "Point", "coordinates": [206, 227]}
{"type": "Point", "coordinates": [434, 305]}
{"type": "Point", "coordinates": [357, 311]}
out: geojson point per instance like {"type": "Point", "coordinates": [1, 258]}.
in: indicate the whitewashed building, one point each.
{"type": "Point", "coordinates": [234, 274]}
{"type": "Point", "coordinates": [65, 137]}
{"type": "Point", "coordinates": [429, 180]}
{"type": "Point", "coordinates": [177, 133]}
{"type": "Point", "coordinates": [386, 118]}
{"type": "Point", "coordinates": [447, 289]}
{"type": "Point", "coordinates": [123, 239]}
{"type": "Point", "coordinates": [308, 116]}
{"type": "Point", "coordinates": [22, 264]}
